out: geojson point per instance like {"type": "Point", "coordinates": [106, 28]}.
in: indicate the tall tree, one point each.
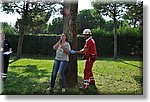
{"type": "Point", "coordinates": [134, 15]}
{"type": "Point", "coordinates": [89, 19]}
{"type": "Point", "coordinates": [114, 9]}
{"type": "Point", "coordinates": [56, 27]}
{"type": "Point", "coordinates": [24, 8]}
{"type": "Point", "coordinates": [70, 28]}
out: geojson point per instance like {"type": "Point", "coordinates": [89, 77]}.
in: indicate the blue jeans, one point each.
{"type": "Point", "coordinates": [61, 67]}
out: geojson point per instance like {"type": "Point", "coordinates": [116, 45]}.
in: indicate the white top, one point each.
{"type": "Point", "coordinates": [60, 54]}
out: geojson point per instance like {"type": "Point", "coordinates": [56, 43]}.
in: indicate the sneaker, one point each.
{"type": "Point", "coordinates": [49, 90]}
{"type": "Point", "coordinates": [92, 84]}
{"type": "Point", "coordinates": [83, 88]}
{"type": "Point", "coordinates": [63, 90]}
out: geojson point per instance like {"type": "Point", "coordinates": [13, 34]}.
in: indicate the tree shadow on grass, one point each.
{"type": "Point", "coordinates": [139, 79]}
{"type": "Point", "coordinates": [120, 58]}
{"type": "Point", "coordinates": [130, 64]}
{"type": "Point", "coordinates": [27, 66]}
{"type": "Point", "coordinates": [92, 89]}
{"type": "Point", "coordinates": [28, 80]}
{"type": "Point", "coordinates": [14, 60]}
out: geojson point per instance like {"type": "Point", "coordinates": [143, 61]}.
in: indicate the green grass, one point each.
{"type": "Point", "coordinates": [29, 76]}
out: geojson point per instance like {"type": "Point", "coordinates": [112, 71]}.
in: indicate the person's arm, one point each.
{"type": "Point", "coordinates": [79, 52]}
{"type": "Point", "coordinates": [10, 49]}
{"type": "Point", "coordinates": [65, 50]}
{"type": "Point", "coordinates": [56, 45]}
{"type": "Point", "coordinates": [82, 51]}
{"type": "Point", "coordinates": [9, 46]}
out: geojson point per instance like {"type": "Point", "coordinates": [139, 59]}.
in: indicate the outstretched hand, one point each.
{"type": "Point", "coordinates": [72, 51]}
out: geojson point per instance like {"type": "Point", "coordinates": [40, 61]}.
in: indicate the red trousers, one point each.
{"type": "Point", "coordinates": [88, 74]}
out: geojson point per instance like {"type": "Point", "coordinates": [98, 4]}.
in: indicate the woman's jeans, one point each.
{"type": "Point", "coordinates": [61, 67]}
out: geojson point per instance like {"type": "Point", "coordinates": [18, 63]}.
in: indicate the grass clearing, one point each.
{"type": "Point", "coordinates": [30, 76]}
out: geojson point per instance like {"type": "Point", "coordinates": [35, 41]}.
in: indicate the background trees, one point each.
{"type": "Point", "coordinates": [28, 10]}
{"type": "Point", "coordinates": [89, 19]}
{"type": "Point", "coordinates": [114, 9]}
{"type": "Point", "coordinates": [134, 15]}
{"type": "Point", "coordinates": [8, 29]}
{"type": "Point", "coordinates": [56, 26]}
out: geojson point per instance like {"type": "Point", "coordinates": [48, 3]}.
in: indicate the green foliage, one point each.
{"type": "Point", "coordinates": [127, 30]}
{"type": "Point", "coordinates": [134, 14]}
{"type": "Point", "coordinates": [111, 8]}
{"type": "Point", "coordinates": [56, 26]}
{"type": "Point", "coordinates": [89, 19]}
{"type": "Point", "coordinates": [100, 32]}
{"type": "Point", "coordinates": [34, 15]}
{"type": "Point", "coordinates": [8, 29]}
{"type": "Point", "coordinates": [42, 44]}
{"type": "Point", "coordinates": [37, 21]}
{"type": "Point", "coordinates": [30, 76]}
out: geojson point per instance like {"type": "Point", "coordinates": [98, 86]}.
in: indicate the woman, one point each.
{"type": "Point", "coordinates": [61, 62]}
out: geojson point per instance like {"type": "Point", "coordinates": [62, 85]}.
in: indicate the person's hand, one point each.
{"type": "Point", "coordinates": [62, 46]}
{"type": "Point", "coordinates": [72, 51]}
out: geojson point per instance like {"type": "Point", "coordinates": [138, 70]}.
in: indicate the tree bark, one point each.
{"type": "Point", "coordinates": [115, 35]}
{"type": "Point", "coordinates": [20, 41]}
{"type": "Point", "coordinates": [22, 29]}
{"type": "Point", "coordinates": [70, 28]}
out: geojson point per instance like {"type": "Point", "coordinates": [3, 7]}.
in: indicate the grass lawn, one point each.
{"type": "Point", "coordinates": [30, 76]}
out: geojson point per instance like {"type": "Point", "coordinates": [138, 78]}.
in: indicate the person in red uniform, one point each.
{"type": "Point", "coordinates": [89, 52]}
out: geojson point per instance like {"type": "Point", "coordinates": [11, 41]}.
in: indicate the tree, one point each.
{"type": "Point", "coordinates": [56, 26]}
{"type": "Point", "coordinates": [134, 15]}
{"type": "Point", "coordinates": [8, 29]}
{"type": "Point", "coordinates": [114, 9]}
{"type": "Point", "coordinates": [70, 28]}
{"type": "Point", "coordinates": [85, 20]}
{"type": "Point", "coordinates": [24, 8]}
{"type": "Point", "coordinates": [89, 19]}
{"type": "Point", "coordinates": [37, 21]}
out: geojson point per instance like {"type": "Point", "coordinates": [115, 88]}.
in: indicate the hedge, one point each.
{"type": "Point", "coordinates": [42, 45]}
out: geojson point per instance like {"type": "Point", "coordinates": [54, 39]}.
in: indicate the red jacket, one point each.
{"type": "Point", "coordinates": [91, 46]}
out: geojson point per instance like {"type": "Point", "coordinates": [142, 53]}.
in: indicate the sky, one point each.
{"type": "Point", "coordinates": [11, 19]}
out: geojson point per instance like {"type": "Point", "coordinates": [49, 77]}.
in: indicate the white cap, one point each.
{"type": "Point", "coordinates": [87, 31]}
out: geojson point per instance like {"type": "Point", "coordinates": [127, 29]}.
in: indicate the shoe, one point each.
{"type": "Point", "coordinates": [63, 90]}
{"type": "Point", "coordinates": [92, 84]}
{"type": "Point", "coordinates": [49, 90]}
{"type": "Point", "coordinates": [83, 88]}
{"type": "Point", "coordinates": [4, 77]}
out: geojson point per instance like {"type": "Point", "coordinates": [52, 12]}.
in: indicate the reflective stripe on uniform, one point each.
{"type": "Point", "coordinates": [4, 74]}
{"type": "Point", "coordinates": [91, 78]}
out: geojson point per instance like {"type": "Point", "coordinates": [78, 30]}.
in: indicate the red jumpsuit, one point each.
{"type": "Point", "coordinates": [90, 59]}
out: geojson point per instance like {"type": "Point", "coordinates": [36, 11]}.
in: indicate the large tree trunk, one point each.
{"type": "Point", "coordinates": [70, 28]}
{"type": "Point", "coordinates": [115, 35]}
{"type": "Point", "coordinates": [22, 30]}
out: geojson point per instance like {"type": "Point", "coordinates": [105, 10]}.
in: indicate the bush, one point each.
{"type": "Point", "coordinates": [128, 31]}
{"type": "Point", "coordinates": [42, 45]}
{"type": "Point", "coordinates": [101, 32]}
{"type": "Point", "coordinates": [8, 29]}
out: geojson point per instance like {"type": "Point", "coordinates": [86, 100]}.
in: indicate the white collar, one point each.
{"type": "Point", "coordinates": [88, 39]}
